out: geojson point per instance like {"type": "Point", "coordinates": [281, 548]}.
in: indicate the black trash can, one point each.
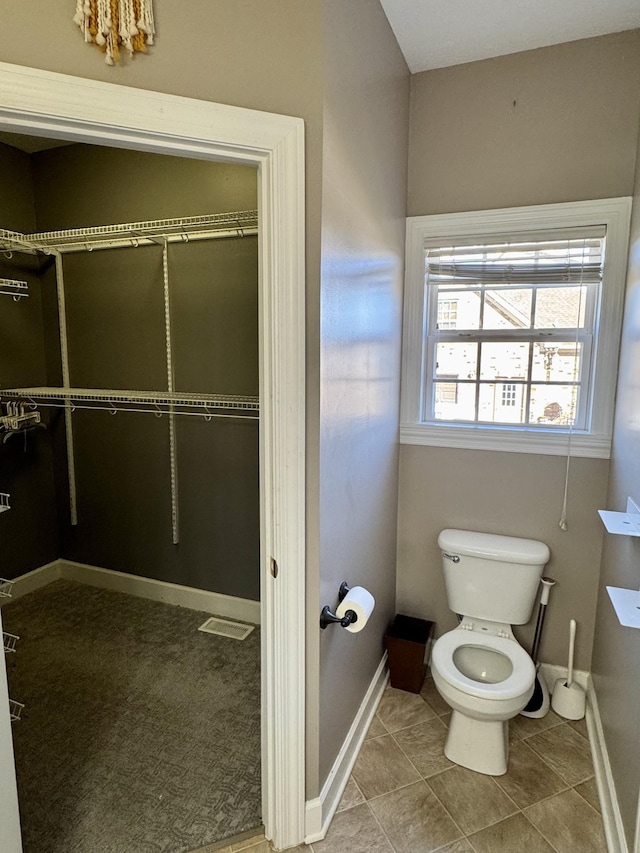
{"type": "Point", "coordinates": [406, 644]}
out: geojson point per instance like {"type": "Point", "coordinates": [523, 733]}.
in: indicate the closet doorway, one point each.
{"type": "Point", "coordinates": [145, 121]}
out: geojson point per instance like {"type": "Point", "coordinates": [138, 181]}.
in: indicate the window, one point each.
{"type": "Point", "coordinates": [447, 313]}
{"type": "Point", "coordinates": [508, 394]}
{"type": "Point", "coordinates": [447, 392]}
{"type": "Point", "coordinates": [512, 322]}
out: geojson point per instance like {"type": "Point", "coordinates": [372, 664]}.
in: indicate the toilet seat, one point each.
{"type": "Point", "coordinates": [516, 684]}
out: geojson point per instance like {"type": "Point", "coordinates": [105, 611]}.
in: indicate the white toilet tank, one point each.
{"type": "Point", "coordinates": [491, 577]}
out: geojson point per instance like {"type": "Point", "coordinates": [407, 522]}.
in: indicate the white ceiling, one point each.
{"type": "Point", "coordinates": [438, 33]}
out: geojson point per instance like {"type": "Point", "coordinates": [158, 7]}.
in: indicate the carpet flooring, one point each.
{"type": "Point", "coordinates": [140, 733]}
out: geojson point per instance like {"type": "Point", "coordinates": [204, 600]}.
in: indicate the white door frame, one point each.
{"type": "Point", "coordinates": [59, 106]}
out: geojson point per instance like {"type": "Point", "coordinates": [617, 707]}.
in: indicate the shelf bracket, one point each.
{"type": "Point", "coordinates": [173, 458]}
{"type": "Point", "coordinates": [66, 382]}
{"type": "Point", "coordinates": [622, 523]}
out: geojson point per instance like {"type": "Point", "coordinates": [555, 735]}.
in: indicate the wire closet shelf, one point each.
{"type": "Point", "coordinates": [131, 235]}
{"type": "Point", "coordinates": [184, 229]}
{"type": "Point", "coordinates": [9, 642]}
{"type": "Point", "coordinates": [14, 287]}
{"type": "Point", "coordinates": [15, 710]}
{"type": "Point", "coordinates": [153, 402]}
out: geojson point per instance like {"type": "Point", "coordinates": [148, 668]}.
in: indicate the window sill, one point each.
{"type": "Point", "coordinates": [509, 440]}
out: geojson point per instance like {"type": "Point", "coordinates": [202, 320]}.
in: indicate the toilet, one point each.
{"type": "Point", "coordinates": [479, 668]}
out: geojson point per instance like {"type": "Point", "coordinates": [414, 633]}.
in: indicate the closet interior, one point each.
{"type": "Point", "coordinates": [129, 461]}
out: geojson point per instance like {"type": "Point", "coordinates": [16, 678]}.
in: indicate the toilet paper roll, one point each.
{"type": "Point", "coordinates": [361, 602]}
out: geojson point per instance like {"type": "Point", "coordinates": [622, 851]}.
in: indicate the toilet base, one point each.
{"type": "Point", "coordinates": [480, 745]}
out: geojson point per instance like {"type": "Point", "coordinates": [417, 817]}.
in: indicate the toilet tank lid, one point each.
{"type": "Point", "coordinates": [490, 546]}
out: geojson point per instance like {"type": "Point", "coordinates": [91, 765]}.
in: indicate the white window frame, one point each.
{"type": "Point", "coordinates": [595, 441]}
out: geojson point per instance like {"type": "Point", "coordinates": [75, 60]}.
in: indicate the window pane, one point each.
{"type": "Point", "coordinates": [458, 309]}
{"type": "Point", "coordinates": [505, 360]}
{"type": "Point", "coordinates": [502, 402]}
{"type": "Point", "coordinates": [553, 405]}
{"type": "Point", "coordinates": [557, 362]}
{"type": "Point", "coordinates": [507, 308]}
{"type": "Point", "coordinates": [454, 401]}
{"type": "Point", "coordinates": [456, 360]}
{"type": "Point", "coordinates": [560, 307]}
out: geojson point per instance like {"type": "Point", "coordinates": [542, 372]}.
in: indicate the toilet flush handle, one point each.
{"type": "Point", "coordinates": [453, 557]}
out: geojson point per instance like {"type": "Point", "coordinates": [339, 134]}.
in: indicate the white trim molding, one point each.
{"type": "Point", "coordinates": [169, 593]}
{"type": "Point", "coordinates": [611, 816]}
{"type": "Point", "coordinates": [508, 223]}
{"type": "Point", "coordinates": [216, 603]}
{"type": "Point", "coordinates": [512, 441]}
{"type": "Point", "coordinates": [59, 106]}
{"type": "Point", "coordinates": [33, 580]}
{"type": "Point", "coordinates": [320, 810]}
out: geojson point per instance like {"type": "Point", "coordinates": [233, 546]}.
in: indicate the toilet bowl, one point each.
{"type": "Point", "coordinates": [479, 668]}
{"type": "Point", "coordinates": [486, 680]}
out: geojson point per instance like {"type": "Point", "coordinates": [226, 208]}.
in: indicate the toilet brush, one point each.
{"type": "Point", "coordinates": [538, 705]}
{"type": "Point", "coordinates": [569, 698]}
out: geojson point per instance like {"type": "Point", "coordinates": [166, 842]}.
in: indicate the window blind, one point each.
{"type": "Point", "coordinates": [575, 260]}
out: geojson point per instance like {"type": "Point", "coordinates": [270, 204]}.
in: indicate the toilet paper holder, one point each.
{"type": "Point", "coordinates": [328, 618]}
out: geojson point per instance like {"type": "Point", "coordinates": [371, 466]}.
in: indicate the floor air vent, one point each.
{"type": "Point", "coordinates": [226, 628]}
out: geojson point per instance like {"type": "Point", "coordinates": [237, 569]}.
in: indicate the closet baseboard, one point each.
{"type": "Point", "coordinates": [227, 606]}
{"type": "Point", "coordinates": [216, 603]}
{"type": "Point", "coordinates": [33, 580]}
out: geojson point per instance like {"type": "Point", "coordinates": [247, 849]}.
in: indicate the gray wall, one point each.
{"type": "Point", "coordinates": [571, 135]}
{"type": "Point", "coordinates": [616, 653]}
{"type": "Point", "coordinates": [364, 176]}
{"type": "Point", "coordinates": [16, 190]}
{"type": "Point", "coordinates": [116, 339]}
{"type": "Point", "coordinates": [548, 125]}
{"type": "Point", "coordinates": [29, 532]}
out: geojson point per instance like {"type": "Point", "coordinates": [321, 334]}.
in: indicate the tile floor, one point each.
{"type": "Point", "coordinates": [404, 796]}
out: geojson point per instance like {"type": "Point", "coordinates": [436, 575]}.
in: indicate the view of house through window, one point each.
{"type": "Point", "coordinates": [510, 329]}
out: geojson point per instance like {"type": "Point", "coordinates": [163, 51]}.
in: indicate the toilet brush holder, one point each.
{"type": "Point", "coordinates": [568, 698]}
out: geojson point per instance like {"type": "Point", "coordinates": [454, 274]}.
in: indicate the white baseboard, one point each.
{"type": "Point", "coordinates": [320, 811]}
{"type": "Point", "coordinates": [216, 603]}
{"type": "Point", "coordinates": [611, 817]}
{"type": "Point", "coordinates": [170, 593]}
{"type": "Point", "coordinates": [33, 580]}
{"type": "Point", "coordinates": [552, 672]}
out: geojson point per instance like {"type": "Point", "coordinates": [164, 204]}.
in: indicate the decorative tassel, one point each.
{"type": "Point", "coordinates": [112, 24]}
{"type": "Point", "coordinates": [78, 18]}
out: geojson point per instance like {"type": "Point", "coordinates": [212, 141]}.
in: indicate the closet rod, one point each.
{"type": "Point", "coordinates": [158, 412]}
